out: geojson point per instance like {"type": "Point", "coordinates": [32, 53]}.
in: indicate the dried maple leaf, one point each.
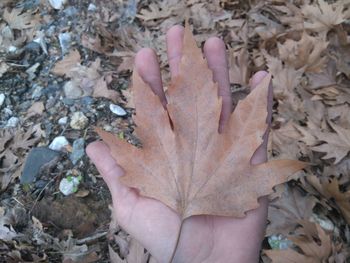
{"type": "Point", "coordinates": [313, 251]}
{"type": "Point", "coordinates": [185, 162]}
{"type": "Point", "coordinates": [330, 190]}
{"type": "Point", "coordinates": [306, 53]}
{"type": "Point", "coordinates": [18, 19]}
{"type": "Point", "coordinates": [323, 16]}
{"type": "Point", "coordinates": [337, 145]}
{"type": "Point", "coordinates": [285, 212]}
{"type": "Point", "coordinates": [69, 62]}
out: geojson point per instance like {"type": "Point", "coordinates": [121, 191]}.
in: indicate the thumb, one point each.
{"type": "Point", "coordinates": [109, 169]}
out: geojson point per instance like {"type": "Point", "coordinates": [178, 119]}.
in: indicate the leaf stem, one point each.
{"type": "Point", "coordinates": [177, 242]}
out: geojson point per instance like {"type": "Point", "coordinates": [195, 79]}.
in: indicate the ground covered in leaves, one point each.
{"type": "Point", "coordinates": [65, 67]}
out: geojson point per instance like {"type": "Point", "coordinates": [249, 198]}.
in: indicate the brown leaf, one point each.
{"type": "Point", "coordinates": [36, 109]}
{"type": "Point", "coordinates": [337, 145]}
{"type": "Point", "coordinates": [323, 16]}
{"type": "Point", "coordinates": [307, 53]}
{"type": "Point", "coordinates": [18, 19]}
{"type": "Point", "coordinates": [101, 90]}
{"type": "Point", "coordinates": [69, 62]}
{"type": "Point", "coordinates": [184, 162]}
{"type": "Point", "coordinates": [285, 212]}
{"type": "Point", "coordinates": [330, 189]}
{"type": "Point", "coordinates": [313, 251]}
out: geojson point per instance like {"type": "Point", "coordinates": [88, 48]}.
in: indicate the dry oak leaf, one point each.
{"type": "Point", "coordinates": [185, 162]}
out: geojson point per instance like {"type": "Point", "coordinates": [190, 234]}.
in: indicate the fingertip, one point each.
{"type": "Point", "coordinates": [174, 38]}
{"type": "Point", "coordinates": [95, 148]}
{"type": "Point", "coordinates": [175, 30]}
{"type": "Point", "coordinates": [257, 78]}
{"type": "Point", "coordinates": [214, 45]}
{"type": "Point", "coordinates": [143, 58]}
{"type": "Point", "coordinates": [147, 66]}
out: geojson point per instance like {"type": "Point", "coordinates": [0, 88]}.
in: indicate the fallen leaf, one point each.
{"type": "Point", "coordinates": [313, 251]}
{"type": "Point", "coordinates": [307, 53]}
{"type": "Point", "coordinates": [19, 19]}
{"type": "Point", "coordinates": [324, 16]}
{"type": "Point", "coordinates": [184, 161]}
{"type": "Point", "coordinates": [69, 62]}
{"type": "Point", "coordinates": [285, 212]}
{"type": "Point", "coordinates": [337, 145]}
{"type": "Point", "coordinates": [238, 62]}
{"type": "Point", "coordinates": [101, 90]}
{"type": "Point", "coordinates": [330, 190]}
{"type": "Point", "coordinates": [36, 109]}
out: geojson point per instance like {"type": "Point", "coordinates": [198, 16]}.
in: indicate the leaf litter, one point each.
{"type": "Point", "coordinates": [305, 46]}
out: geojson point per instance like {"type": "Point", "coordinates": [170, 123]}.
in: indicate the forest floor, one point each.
{"type": "Point", "coordinates": [64, 63]}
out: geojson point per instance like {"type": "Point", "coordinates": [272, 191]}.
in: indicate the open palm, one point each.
{"type": "Point", "coordinates": [153, 224]}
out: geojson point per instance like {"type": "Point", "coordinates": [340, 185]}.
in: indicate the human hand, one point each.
{"type": "Point", "coordinates": [203, 238]}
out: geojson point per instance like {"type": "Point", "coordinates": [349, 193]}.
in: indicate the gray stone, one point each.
{"type": "Point", "coordinates": [37, 92]}
{"type": "Point", "coordinates": [36, 160]}
{"type": "Point", "coordinates": [72, 90]}
{"type": "Point", "coordinates": [12, 122]}
{"type": "Point", "coordinates": [2, 99]}
{"type": "Point", "coordinates": [65, 41]}
{"type": "Point", "coordinates": [78, 150]}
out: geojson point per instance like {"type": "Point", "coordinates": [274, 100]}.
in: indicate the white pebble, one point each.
{"type": "Point", "coordinates": [92, 7]}
{"type": "Point", "coordinates": [57, 4]}
{"type": "Point", "coordinates": [79, 121]}
{"type": "Point", "coordinates": [12, 49]}
{"type": "Point", "coordinates": [59, 143]}
{"type": "Point", "coordinates": [63, 120]}
{"type": "Point", "coordinates": [69, 186]}
{"type": "Point", "coordinates": [12, 122]}
{"type": "Point", "coordinates": [2, 99]}
{"type": "Point", "coordinates": [117, 110]}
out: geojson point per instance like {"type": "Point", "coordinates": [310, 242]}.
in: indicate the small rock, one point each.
{"type": "Point", "coordinates": [37, 92]}
{"type": "Point", "coordinates": [2, 99]}
{"type": "Point", "coordinates": [69, 185]}
{"type": "Point", "coordinates": [63, 120]}
{"type": "Point", "coordinates": [59, 143]}
{"type": "Point", "coordinates": [36, 159]}
{"type": "Point", "coordinates": [65, 41]}
{"type": "Point", "coordinates": [71, 11]}
{"type": "Point", "coordinates": [12, 122]}
{"type": "Point", "coordinates": [72, 90]}
{"type": "Point", "coordinates": [92, 7]}
{"type": "Point", "coordinates": [117, 110]}
{"type": "Point", "coordinates": [57, 4]}
{"type": "Point", "coordinates": [12, 49]}
{"type": "Point", "coordinates": [79, 121]}
{"type": "Point", "coordinates": [78, 150]}
{"type": "Point", "coordinates": [279, 242]}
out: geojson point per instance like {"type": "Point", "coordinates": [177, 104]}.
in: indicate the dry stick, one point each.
{"type": "Point", "coordinates": [177, 242]}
